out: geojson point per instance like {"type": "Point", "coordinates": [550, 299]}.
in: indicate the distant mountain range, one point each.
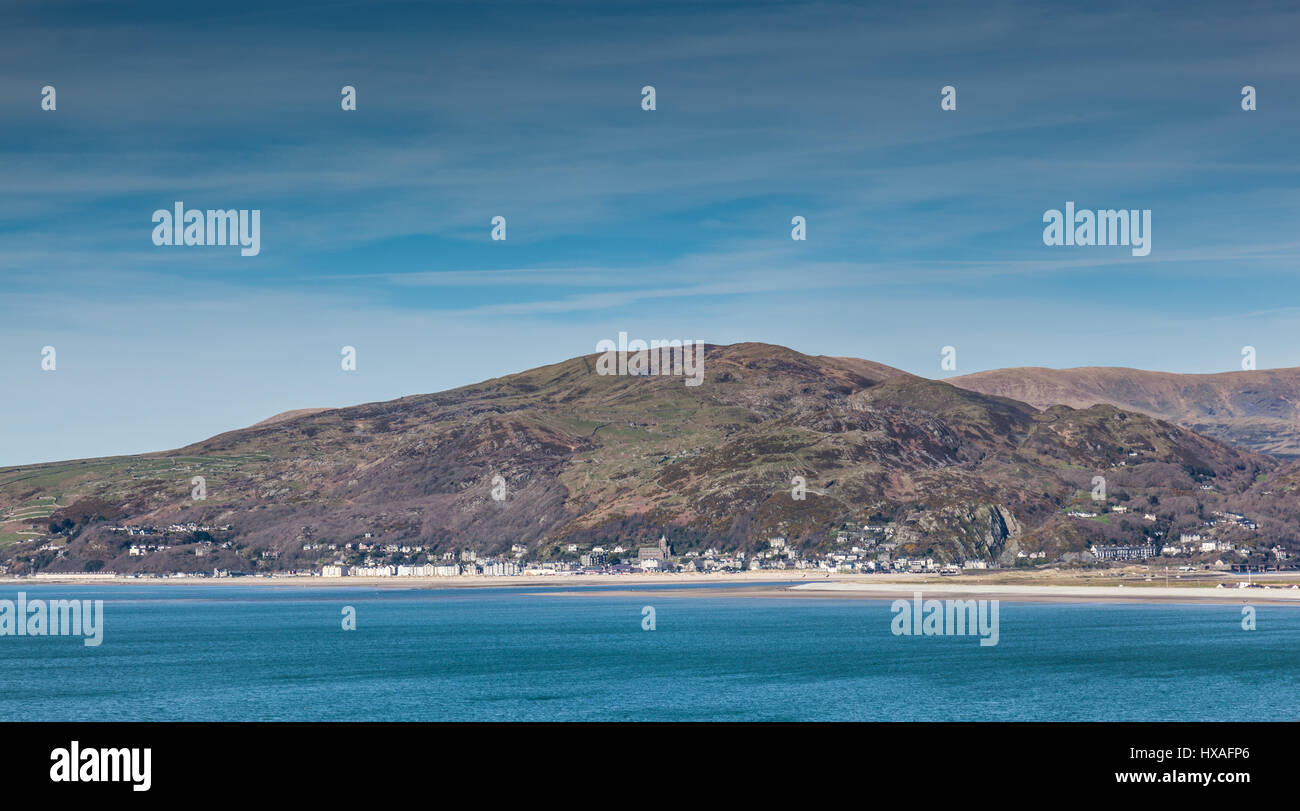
{"type": "Point", "coordinates": [585, 458]}
{"type": "Point", "coordinates": [1259, 410]}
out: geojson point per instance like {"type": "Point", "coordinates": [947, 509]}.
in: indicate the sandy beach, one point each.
{"type": "Point", "coordinates": [1145, 593]}
{"type": "Point", "coordinates": [1014, 586]}
{"type": "Point", "coordinates": [459, 581]}
{"type": "Point", "coordinates": [1025, 594]}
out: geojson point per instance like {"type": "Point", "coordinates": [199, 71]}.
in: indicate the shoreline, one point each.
{"type": "Point", "coordinates": [887, 592]}
{"type": "Point", "coordinates": [1277, 595]}
{"type": "Point", "coordinates": [766, 584]}
{"type": "Point", "coordinates": [455, 582]}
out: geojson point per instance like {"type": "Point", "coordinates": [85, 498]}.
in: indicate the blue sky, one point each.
{"type": "Point", "coordinates": [924, 226]}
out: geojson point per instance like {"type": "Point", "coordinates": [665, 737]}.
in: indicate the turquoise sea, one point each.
{"type": "Point", "coordinates": [208, 653]}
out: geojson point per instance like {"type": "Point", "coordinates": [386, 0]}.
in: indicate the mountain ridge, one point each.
{"type": "Point", "coordinates": [1257, 409]}
{"type": "Point", "coordinates": [590, 459]}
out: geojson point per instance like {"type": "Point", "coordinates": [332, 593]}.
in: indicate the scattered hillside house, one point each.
{"type": "Point", "coordinates": [1081, 514]}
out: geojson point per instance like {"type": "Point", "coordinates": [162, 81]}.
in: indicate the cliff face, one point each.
{"type": "Point", "coordinates": [585, 458]}
{"type": "Point", "coordinates": [974, 532]}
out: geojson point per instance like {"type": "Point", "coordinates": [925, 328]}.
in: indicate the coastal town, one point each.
{"type": "Point", "coordinates": [870, 548]}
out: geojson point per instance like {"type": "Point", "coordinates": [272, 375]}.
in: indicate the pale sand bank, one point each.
{"type": "Point", "coordinates": [459, 581]}
{"type": "Point", "coordinates": [1279, 595]}
{"type": "Point", "coordinates": [1042, 587]}
{"type": "Point", "coordinates": [1042, 593]}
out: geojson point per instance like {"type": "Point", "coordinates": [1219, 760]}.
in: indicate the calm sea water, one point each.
{"type": "Point", "coordinates": [268, 653]}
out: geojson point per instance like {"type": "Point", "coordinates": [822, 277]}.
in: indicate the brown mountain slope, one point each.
{"type": "Point", "coordinates": [1259, 410]}
{"type": "Point", "coordinates": [587, 459]}
{"type": "Point", "coordinates": [287, 415]}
